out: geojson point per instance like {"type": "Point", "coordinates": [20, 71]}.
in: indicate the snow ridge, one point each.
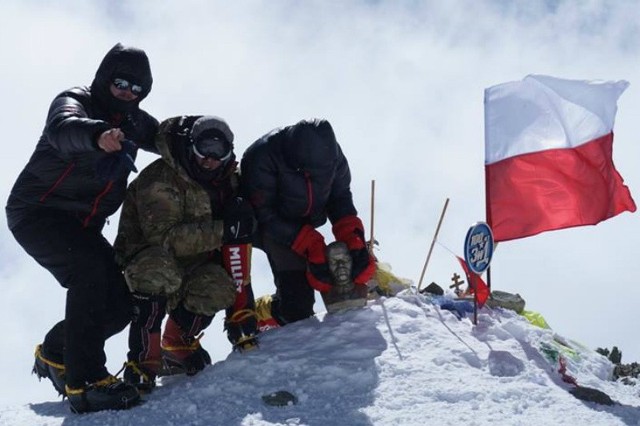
{"type": "Point", "coordinates": [399, 361]}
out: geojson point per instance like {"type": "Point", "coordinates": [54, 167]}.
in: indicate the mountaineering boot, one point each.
{"type": "Point", "coordinates": [142, 375]}
{"type": "Point", "coordinates": [246, 343]}
{"type": "Point", "coordinates": [46, 368]}
{"type": "Point", "coordinates": [109, 393]}
{"type": "Point", "coordinates": [241, 328]}
{"type": "Point", "coordinates": [143, 359]}
{"type": "Point", "coordinates": [182, 353]}
{"type": "Point", "coordinates": [266, 321]}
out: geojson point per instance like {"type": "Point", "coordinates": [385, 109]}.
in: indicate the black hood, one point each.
{"type": "Point", "coordinates": [122, 61]}
{"type": "Point", "coordinates": [311, 146]}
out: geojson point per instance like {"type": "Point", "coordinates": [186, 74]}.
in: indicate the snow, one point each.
{"type": "Point", "coordinates": [399, 361]}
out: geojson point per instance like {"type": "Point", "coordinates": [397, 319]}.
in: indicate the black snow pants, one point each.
{"type": "Point", "coordinates": [98, 302]}
{"type": "Point", "coordinates": [294, 297]}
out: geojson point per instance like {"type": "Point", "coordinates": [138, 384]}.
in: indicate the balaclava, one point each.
{"type": "Point", "coordinates": [129, 63]}
{"type": "Point", "coordinates": [205, 127]}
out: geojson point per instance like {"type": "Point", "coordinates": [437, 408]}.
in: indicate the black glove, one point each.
{"type": "Point", "coordinates": [239, 222]}
{"type": "Point", "coordinates": [116, 164]}
{"type": "Point", "coordinates": [140, 128]}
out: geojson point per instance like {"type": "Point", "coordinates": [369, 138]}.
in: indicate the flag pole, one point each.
{"type": "Point", "coordinates": [435, 237]}
{"type": "Point", "coordinates": [487, 219]}
{"type": "Point", "coordinates": [487, 195]}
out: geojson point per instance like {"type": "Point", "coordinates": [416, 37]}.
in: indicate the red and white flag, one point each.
{"type": "Point", "coordinates": [548, 155]}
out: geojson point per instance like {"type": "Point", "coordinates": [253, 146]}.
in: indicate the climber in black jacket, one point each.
{"type": "Point", "coordinates": [74, 180]}
{"type": "Point", "coordinates": [296, 178]}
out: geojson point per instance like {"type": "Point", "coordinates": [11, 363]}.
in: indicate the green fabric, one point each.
{"type": "Point", "coordinates": [535, 318]}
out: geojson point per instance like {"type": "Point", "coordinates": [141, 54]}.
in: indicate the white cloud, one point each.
{"type": "Point", "coordinates": [401, 81]}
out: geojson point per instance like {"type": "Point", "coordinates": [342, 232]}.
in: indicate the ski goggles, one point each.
{"type": "Point", "coordinates": [216, 148]}
{"type": "Point", "coordinates": [122, 84]}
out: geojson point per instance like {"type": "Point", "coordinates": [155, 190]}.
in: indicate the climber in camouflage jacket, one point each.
{"type": "Point", "coordinates": [182, 233]}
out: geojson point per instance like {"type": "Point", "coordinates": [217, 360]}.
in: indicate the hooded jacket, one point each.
{"type": "Point", "coordinates": [63, 171]}
{"type": "Point", "coordinates": [294, 176]}
{"type": "Point", "coordinates": [166, 207]}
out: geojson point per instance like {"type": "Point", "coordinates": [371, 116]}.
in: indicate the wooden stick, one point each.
{"type": "Point", "coordinates": [435, 237]}
{"type": "Point", "coordinates": [372, 241]}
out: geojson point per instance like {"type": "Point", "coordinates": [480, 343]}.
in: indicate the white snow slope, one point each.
{"type": "Point", "coordinates": [400, 361]}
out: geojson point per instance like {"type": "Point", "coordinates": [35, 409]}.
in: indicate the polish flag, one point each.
{"type": "Point", "coordinates": [548, 155]}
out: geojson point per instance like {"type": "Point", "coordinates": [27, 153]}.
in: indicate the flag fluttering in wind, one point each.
{"type": "Point", "coordinates": [548, 155]}
{"type": "Point", "coordinates": [477, 285]}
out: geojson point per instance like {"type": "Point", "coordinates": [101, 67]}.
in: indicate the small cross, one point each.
{"type": "Point", "coordinates": [457, 282]}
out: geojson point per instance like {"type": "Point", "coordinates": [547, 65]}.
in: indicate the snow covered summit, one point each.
{"type": "Point", "coordinates": [400, 361]}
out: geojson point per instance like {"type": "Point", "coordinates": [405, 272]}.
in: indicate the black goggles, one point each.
{"type": "Point", "coordinates": [216, 148]}
{"type": "Point", "coordinates": [122, 84]}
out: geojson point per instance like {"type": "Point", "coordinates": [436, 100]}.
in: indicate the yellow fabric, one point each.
{"type": "Point", "coordinates": [559, 343]}
{"type": "Point", "coordinates": [386, 282]}
{"type": "Point", "coordinates": [263, 307]}
{"type": "Point", "coordinates": [46, 361]}
{"type": "Point", "coordinates": [535, 318]}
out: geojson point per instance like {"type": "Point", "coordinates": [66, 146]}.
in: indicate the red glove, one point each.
{"type": "Point", "coordinates": [310, 244]}
{"type": "Point", "coordinates": [350, 230]}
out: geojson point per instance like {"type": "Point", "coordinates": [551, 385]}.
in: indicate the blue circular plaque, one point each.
{"type": "Point", "coordinates": [478, 247]}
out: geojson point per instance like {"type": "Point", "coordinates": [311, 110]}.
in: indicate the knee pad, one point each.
{"type": "Point", "coordinates": [153, 271]}
{"type": "Point", "coordinates": [208, 289]}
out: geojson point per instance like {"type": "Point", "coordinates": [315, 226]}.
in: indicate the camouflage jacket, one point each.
{"type": "Point", "coordinates": [165, 207]}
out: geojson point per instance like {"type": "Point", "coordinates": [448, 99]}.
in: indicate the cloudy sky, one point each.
{"type": "Point", "coordinates": [402, 83]}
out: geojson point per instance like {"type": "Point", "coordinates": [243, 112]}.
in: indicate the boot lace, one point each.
{"type": "Point", "coordinates": [136, 369]}
{"type": "Point", "coordinates": [109, 382]}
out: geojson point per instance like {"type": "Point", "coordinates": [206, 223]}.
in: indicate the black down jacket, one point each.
{"type": "Point", "coordinates": [297, 175]}
{"type": "Point", "coordinates": [62, 173]}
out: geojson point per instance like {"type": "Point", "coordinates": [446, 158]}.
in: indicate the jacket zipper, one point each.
{"type": "Point", "coordinates": [309, 193]}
